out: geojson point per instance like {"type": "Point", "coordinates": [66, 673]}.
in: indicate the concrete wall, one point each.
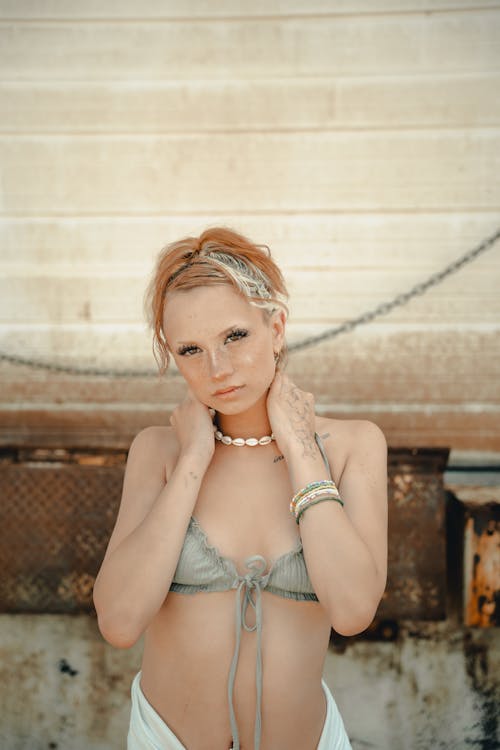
{"type": "Point", "coordinates": [359, 139]}
{"type": "Point", "coordinates": [436, 686]}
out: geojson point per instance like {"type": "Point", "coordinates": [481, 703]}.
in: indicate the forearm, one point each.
{"type": "Point", "coordinates": [135, 578]}
{"type": "Point", "coordinates": [341, 568]}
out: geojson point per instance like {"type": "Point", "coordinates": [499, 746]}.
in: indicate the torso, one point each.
{"type": "Point", "coordinates": [243, 506]}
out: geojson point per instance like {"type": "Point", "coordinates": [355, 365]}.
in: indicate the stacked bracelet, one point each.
{"type": "Point", "coordinates": [311, 494]}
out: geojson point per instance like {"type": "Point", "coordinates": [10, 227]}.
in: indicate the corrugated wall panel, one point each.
{"type": "Point", "coordinates": [234, 105]}
{"type": "Point", "coordinates": [130, 9]}
{"type": "Point", "coordinates": [360, 142]}
{"type": "Point", "coordinates": [426, 241]}
{"type": "Point", "coordinates": [250, 48]}
{"type": "Point", "coordinates": [281, 172]}
{"type": "Point", "coordinates": [320, 297]}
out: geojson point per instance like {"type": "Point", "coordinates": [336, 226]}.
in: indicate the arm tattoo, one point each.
{"type": "Point", "coordinates": [300, 423]}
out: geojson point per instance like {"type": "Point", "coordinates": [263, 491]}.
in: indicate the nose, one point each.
{"type": "Point", "coordinates": [220, 364]}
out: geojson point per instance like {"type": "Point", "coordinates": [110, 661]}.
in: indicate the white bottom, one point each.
{"type": "Point", "coordinates": [148, 731]}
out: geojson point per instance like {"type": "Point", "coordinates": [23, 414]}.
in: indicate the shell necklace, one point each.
{"type": "Point", "coordinates": [241, 441]}
{"type": "Point", "coordinates": [226, 440]}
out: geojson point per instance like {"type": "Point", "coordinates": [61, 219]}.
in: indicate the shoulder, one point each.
{"type": "Point", "coordinates": [151, 438]}
{"type": "Point", "coordinates": [348, 440]}
{"type": "Point", "coordinates": [365, 433]}
{"type": "Point", "coordinates": [154, 445]}
{"type": "Point", "coordinates": [351, 432]}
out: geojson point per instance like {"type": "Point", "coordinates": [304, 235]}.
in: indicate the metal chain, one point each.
{"type": "Point", "coordinates": [400, 299]}
{"type": "Point", "coordinates": [382, 309]}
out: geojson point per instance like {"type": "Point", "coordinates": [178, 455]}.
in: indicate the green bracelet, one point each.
{"type": "Point", "coordinates": [315, 502]}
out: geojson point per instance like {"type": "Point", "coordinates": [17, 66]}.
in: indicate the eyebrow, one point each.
{"type": "Point", "coordinates": [234, 327]}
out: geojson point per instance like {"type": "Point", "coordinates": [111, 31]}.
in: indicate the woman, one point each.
{"type": "Point", "coordinates": [247, 529]}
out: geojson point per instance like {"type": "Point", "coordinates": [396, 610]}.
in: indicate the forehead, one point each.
{"type": "Point", "coordinates": [207, 310]}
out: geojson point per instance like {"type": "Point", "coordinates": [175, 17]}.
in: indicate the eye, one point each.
{"type": "Point", "coordinates": [187, 350]}
{"type": "Point", "coordinates": [236, 334]}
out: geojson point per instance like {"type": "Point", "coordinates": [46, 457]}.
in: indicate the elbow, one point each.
{"type": "Point", "coordinates": [117, 629]}
{"type": "Point", "coordinates": [351, 626]}
{"type": "Point", "coordinates": [353, 621]}
{"type": "Point", "coordinates": [115, 634]}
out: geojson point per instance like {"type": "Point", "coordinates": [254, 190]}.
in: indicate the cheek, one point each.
{"type": "Point", "coordinates": [191, 373]}
{"type": "Point", "coordinates": [260, 361]}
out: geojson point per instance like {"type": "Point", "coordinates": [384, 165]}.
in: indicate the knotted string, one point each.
{"type": "Point", "coordinates": [254, 580]}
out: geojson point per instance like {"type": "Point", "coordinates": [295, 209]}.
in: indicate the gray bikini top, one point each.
{"type": "Point", "coordinates": [201, 568]}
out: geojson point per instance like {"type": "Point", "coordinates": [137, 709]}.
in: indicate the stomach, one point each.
{"type": "Point", "coordinates": [188, 650]}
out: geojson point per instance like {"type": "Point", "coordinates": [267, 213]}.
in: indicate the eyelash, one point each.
{"type": "Point", "coordinates": [236, 334]}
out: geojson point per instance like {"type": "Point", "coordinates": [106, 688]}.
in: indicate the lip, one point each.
{"type": "Point", "coordinates": [227, 391]}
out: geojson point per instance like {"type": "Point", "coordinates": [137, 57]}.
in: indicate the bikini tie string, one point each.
{"type": "Point", "coordinates": [253, 581]}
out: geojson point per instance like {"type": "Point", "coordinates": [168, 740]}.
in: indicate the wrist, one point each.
{"type": "Point", "coordinates": [195, 462]}
{"type": "Point", "coordinates": [299, 449]}
{"type": "Point", "coordinates": [304, 469]}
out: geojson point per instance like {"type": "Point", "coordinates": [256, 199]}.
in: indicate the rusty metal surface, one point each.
{"type": "Point", "coordinates": [475, 506]}
{"type": "Point", "coordinates": [57, 510]}
{"type": "Point", "coordinates": [482, 564]}
{"type": "Point", "coordinates": [55, 520]}
{"type": "Point", "coordinates": [416, 585]}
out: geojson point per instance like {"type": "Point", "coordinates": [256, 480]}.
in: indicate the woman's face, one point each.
{"type": "Point", "coordinates": [223, 346]}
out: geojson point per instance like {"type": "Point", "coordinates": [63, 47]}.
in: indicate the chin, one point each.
{"type": "Point", "coordinates": [240, 405]}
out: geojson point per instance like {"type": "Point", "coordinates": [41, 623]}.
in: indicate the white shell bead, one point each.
{"type": "Point", "coordinates": [226, 440]}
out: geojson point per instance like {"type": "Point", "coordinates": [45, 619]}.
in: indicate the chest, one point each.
{"type": "Point", "coordinates": [243, 505]}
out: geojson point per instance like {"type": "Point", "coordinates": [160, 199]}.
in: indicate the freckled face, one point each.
{"type": "Point", "coordinates": [223, 346]}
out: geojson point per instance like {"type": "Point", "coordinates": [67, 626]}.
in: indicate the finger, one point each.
{"type": "Point", "coordinates": [275, 383]}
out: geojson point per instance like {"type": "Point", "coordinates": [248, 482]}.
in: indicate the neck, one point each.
{"type": "Point", "coordinates": [253, 422]}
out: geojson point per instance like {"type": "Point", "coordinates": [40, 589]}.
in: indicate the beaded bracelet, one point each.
{"type": "Point", "coordinates": [311, 487]}
{"type": "Point", "coordinates": [314, 502]}
{"type": "Point", "coordinates": [323, 492]}
{"type": "Point", "coordinates": [314, 492]}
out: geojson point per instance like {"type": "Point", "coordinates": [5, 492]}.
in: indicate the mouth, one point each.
{"type": "Point", "coordinates": [228, 391]}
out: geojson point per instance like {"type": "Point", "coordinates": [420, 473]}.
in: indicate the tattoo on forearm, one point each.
{"type": "Point", "coordinates": [301, 421]}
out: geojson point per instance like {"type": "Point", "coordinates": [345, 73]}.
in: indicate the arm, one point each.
{"type": "Point", "coordinates": [145, 545]}
{"type": "Point", "coordinates": [345, 548]}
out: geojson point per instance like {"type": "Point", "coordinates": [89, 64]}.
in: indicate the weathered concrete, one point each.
{"type": "Point", "coordinates": [62, 687]}
{"type": "Point", "coordinates": [436, 686]}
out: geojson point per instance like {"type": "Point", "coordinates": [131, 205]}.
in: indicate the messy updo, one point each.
{"type": "Point", "coordinates": [217, 256]}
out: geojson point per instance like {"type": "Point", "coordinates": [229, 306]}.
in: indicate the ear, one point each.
{"type": "Point", "coordinates": [278, 325]}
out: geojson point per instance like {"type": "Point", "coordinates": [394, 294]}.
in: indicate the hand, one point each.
{"type": "Point", "coordinates": [291, 414]}
{"type": "Point", "coordinates": [194, 428]}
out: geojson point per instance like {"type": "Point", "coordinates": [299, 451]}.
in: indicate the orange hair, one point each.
{"type": "Point", "coordinates": [217, 256]}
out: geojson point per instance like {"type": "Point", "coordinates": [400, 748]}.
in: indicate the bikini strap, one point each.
{"type": "Point", "coordinates": [321, 447]}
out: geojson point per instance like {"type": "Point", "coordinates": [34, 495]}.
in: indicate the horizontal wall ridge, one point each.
{"type": "Point", "coordinates": [463, 130]}
{"type": "Point", "coordinates": [368, 406]}
{"type": "Point", "coordinates": [268, 130]}
{"type": "Point", "coordinates": [290, 16]}
{"type": "Point", "coordinates": [336, 81]}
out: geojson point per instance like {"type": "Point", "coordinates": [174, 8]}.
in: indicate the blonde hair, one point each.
{"type": "Point", "coordinates": [217, 256]}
